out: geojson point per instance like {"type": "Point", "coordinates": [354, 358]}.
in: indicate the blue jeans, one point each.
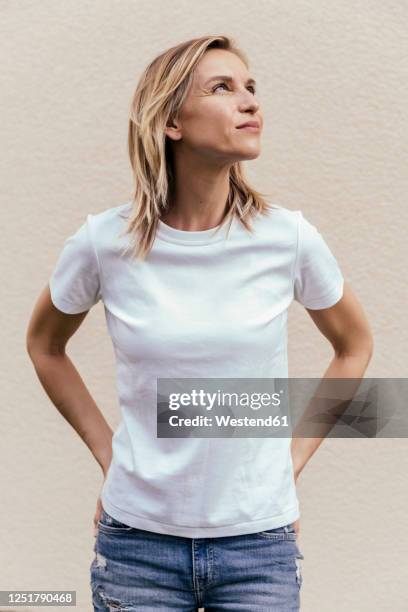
{"type": "Point", "coordinates": [135, 570]}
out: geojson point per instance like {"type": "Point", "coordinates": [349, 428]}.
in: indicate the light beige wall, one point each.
{"type": "Point", "coordinates": [333, 85]}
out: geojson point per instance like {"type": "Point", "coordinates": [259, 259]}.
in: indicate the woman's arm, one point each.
{"type": "Point", "coordinates": [47, 334]}
{"type": "Point", "coordinates": [346, 327]}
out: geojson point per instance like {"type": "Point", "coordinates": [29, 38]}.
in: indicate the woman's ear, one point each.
{"type": "Point", "coordinates": [173, 129]}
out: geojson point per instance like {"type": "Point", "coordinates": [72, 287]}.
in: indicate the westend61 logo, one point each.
{"type": "Point", "coordinates": [282, 407]}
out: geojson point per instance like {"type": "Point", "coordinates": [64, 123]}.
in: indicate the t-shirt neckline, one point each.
{"type": "Point", "coordinates": [209, 236]}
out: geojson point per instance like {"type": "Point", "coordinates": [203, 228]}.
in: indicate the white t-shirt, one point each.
{"type": "Point", "coordinates": [202, 305]}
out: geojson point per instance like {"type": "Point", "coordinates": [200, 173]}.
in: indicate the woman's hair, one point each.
{"type": "Point", "coordinates": [159, 95]}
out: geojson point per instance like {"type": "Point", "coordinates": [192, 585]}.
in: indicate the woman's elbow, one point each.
{"type": "Point", "coordinates": [361, 346]}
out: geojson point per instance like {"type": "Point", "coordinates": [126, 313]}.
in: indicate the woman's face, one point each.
{"type": "Point", "coordinates": [214, 107]}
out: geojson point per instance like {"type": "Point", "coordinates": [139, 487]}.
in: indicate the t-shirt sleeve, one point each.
{"type": "Point", "coordinates": [75, 281]}
{"type": "Point", "coordinates": [318, 281]}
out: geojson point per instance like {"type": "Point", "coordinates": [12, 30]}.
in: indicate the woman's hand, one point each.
{"type": "Point", "coordinates": [99, 508]}
{"type": "Point", "coordinates": [97, 515]}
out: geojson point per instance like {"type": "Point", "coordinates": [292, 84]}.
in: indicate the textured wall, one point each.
{"type": "Point", "coordinates": [333, 86]}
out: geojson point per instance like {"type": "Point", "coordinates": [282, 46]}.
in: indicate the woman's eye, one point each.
{"type": "Point", "coordinates": [219, 85]}
{"type": "Point", "coordinates": [250, 87]}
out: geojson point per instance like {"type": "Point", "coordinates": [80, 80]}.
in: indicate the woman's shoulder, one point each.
{"type": "Point", "coordinates": [279, 217]}
{"type": "Point", "coordinates": [107, 225]}
{"type": "Point", "coordinates": [110, 219]}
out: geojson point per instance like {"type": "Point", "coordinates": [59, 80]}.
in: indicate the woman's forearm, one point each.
{"type": "Point", "coordinates": [67, 391]}
{"type": "Point", "coordinates": [344, 367]}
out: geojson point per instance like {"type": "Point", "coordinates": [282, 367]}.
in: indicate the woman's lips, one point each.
{"type": "Point", "coordinates": [249, 128]}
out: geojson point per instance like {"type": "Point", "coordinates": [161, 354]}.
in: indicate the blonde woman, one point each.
{"type": "Point", "coordinates": [196, 273]}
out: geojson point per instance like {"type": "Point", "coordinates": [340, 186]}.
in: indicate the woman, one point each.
{"type": "Point", "coordinates": [189, 522]}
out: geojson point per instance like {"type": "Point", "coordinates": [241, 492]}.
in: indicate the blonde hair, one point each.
{"type": "Point", "coordinates": [158, 97]}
